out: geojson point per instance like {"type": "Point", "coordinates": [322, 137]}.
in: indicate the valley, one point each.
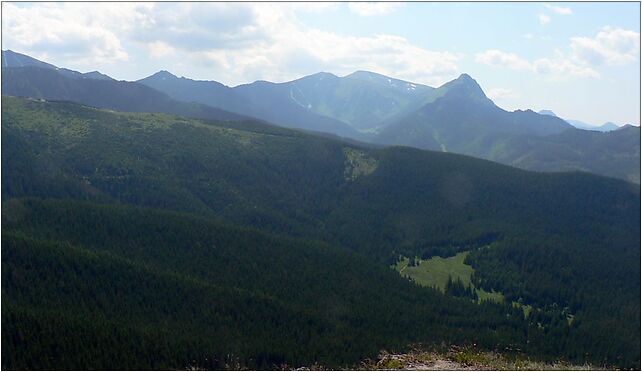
{"type": "Point", "coordinates": [172, 223]}
{"type": "Point", "coordinates": [155, 203]}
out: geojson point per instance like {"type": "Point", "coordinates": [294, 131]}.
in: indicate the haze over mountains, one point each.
{"type": "Point", "coordinates": [171, 223]}
{"type": "Point", "coordinates": [12, 59]}
{"type": "Point", "coordinates": [365, 106]}
{"type": "Point", "coordinates": [606, 127]}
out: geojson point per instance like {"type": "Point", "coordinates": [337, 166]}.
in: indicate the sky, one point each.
{"type": "Point", "coordinates": [580, 60]}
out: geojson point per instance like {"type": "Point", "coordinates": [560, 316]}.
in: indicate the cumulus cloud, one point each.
{"type": "Point", "coordinates": [559, 65]}
{"type": "Point", "coordinates": [69, 30]}
{"type": "Point", "coordinates": [559, 9]}
{"type": "Point", "coordinates": [386, 54]}
{"type": "Point", "coordinates": [368, 9]}
{"type": "Point", "coordinates": [611, 46]}
{"type": "Point", "coordinates": [287, 50]}
{"type": "Point", "coordinates": [159, 49]}
{"type": "Point", "coordinates": [562, 66]}
{"type": "Point", "coordinates": [544, 19]}
{"type": "Point", "coordinates": [246, 41]}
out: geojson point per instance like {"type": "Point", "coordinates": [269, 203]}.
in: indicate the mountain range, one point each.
{"type": "Point", "coordinates": [209, 243]}
{"type": "Point", "coordinates": [12, 59]}
{"type": "Point", "coordinates": [364, 106]}
{"type": "Point", "coordinates": [179, 224]}
{"type": "Point", "coordinates": [606, 127]}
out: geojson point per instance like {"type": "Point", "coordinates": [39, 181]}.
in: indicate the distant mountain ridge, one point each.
{"type": "Point", "coordinates": [13, 59]}
{"type": "Point", "coordinates": [458, 117]}
{"type": "Point", "coordinates": [323, 101]}
{"type": "Point", "coordinates": [606, 127]}
{"type": "Point", "coordinates": [365, 106]}
{"type": "Point", "coordinates": [459, 114]}
{"type": "Point", "coordinates": [24, 76]}
{"type": "Point", "coordinates": [360, 100]}
{"type": "Point", "coordinates": [264, 105]}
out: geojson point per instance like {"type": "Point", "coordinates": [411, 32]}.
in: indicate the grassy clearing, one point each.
{"type": "Point", "coordinates": [435, 271]}
{"type": "Point", "coordinates": [358, 164]}
{"type": "Point", "coordinates": [489, 296]}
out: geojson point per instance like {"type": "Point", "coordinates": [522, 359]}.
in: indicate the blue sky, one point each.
{"type": "Point", "coordinates": [580, 60]}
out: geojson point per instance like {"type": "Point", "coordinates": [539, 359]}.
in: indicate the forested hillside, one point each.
{"type": "Point", "coordinates": [455, 117]}
{"type": "Point", "coordinates": [167, 290]}
{"type": "Point", "coordinates": [52, 84]}
{"type": "Point", "coordinates": [461, 119]}
{"type": "Point", "coordinates": [546, 234]}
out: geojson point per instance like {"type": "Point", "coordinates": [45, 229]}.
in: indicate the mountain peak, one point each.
{"type": "Point", "coordinates": [401, 85]}
{"type": "Point", "coordinates": [609, 126]}
{"type": "Point", "coordinates": [466, 79]}
{"type": "Point", "coordinates": [97, 75]}
{"type": "Point", "coordinates": [164, 74]}
{"type": "Point", "coordinates": [316, 77]}
{"type": "Point", "coordinates": [546, 112]}
{"type": "Point", "coordinates": [465, 85]}
{"type": "Point", "coordinates": [364, 74]}
{"type": "Point", "coordinates": [321, 75]}
{"type": "Point", "coordinates": [15, 59]}
{"type": "Point", "coordinates": [627, 127]}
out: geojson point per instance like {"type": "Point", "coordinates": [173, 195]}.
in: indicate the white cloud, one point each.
{"type": "Point", "coordinates": [559, 65]}
{"type": "Point", "coordinates": [281, 60]}
{"type": "Point", "coordinates": [544, 19]}
{"type": "Point", "coordinates": [498, 58]}
{"type": "Point", "coordinates": [70, 30]}
{"type": "Point", "coordinates": [611, 46]}
{"type": "Point", "coordinates": [242, 42]}
{"type": "Point", "coordinates": [367, 9]}
{"type": "Point", "coordinates": [159, 49]}
{"type": "Point", "coordinates": [559, 9]}
{"type": "Point", "coordinates": [498, 94]}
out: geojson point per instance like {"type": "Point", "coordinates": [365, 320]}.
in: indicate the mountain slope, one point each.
{"type": "Point", "coordinates": [287, 160]}
{"type": "Point", "coordinates": [462, 120]}
{"type": "Point", "coordinates": [606, 127]}
{"type": "Point", "coordinates": [13, 59]}
{"type": "Point", "coordinates": [547, 232]}
{"type": "Point", "coordinates": [210, 93]}
{"type": "Point", "coordinates": [459, 114]}
{"type": "Point", "coordinates": [456, 117]}
{"type": "Point", "coordinates": [266, 101]}
{"type": "Point", "coordinates": [615, 154]}
{"type": "Point", "coordinates": [201, 293]}
{"type": "Point", "coordinates": [50, 84]}
{"type": "Point", "coordinates": [362, 99]}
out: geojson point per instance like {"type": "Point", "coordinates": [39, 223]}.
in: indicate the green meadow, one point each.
{"type": "Point", "coordinates": [435, 272]}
